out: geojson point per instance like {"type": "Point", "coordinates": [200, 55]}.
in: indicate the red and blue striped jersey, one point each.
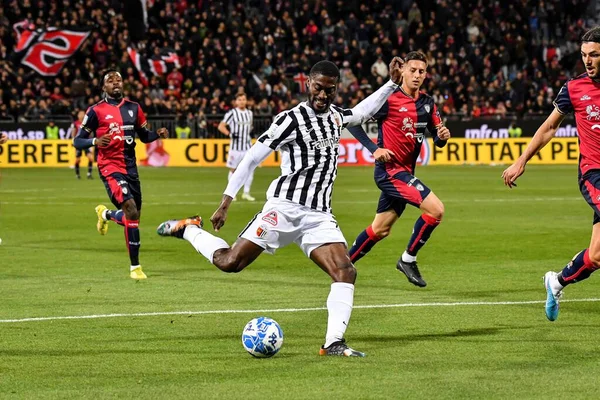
{"type": "Point", "coordinates": [120, 121]}
{"type": "Point", "coordinates": [403, 121]}
{"type": "Point", "coordinates": [581, 96]}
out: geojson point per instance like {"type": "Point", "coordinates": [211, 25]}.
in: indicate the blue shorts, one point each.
{"type": "Point", "coordinates": [121, 188]}
{"type": "Point", "coordinates": [589, 185]}
{"type": "Point", "coordinates": [398, 190]}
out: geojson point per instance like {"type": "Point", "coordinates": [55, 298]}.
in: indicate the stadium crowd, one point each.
{"type": "Point", "coordinates": [485, 57]}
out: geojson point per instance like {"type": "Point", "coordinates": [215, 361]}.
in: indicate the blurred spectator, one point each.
{"type": "Point", "coordinates": [486, 58]}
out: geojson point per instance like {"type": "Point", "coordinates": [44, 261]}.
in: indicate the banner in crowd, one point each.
{"type": "Point", "coordinates": [213, 153]}
{"type": "Point", "coordinates": [158, 65]}
{"type": "Point", "coordinates": [46, 50]}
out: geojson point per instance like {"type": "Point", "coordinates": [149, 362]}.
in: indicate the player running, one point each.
{"type": "Point", "coordinates": [237, 124]}
{"type": "Point", "coordinates": [115, 121]}
{"type": "Point", "coordinates": [298, 207]}
{"type": "Point", "coordinates": [402, 122]}
{"type": "Point", "coordinates": [581, 96]}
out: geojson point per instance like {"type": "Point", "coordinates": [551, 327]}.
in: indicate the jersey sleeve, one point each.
{"type": "Point", "coordinates": [280, 131]}
{"type": "Point", "coordinates": [89, 123]}
{"type": "Point", "coordinates": [563, 103]}
{"type": "Point", "coordinates": [227, 117]}
{"type": "Point", "coordinates": [382, 112]}
{"type": "Point", "coordinates": [435, 119]}
{"type": "Point", "coordinates": [141, 121]}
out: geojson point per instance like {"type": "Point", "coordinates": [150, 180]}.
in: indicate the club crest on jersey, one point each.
{"type": "Point", "coordinates": [130, 112]}
{"type": "Point", "coordinates": [593, 112]}
{"type": "Point", "coordinates": [408, 124]}
{"type": "Point", "coordinates": [115, 131]}
{"type": "Point", "coordinates": [261, 232]}
{"type": "Point", "coordinates": [271, 218]}
{"type": "Point", "coordinates": [427, 108]}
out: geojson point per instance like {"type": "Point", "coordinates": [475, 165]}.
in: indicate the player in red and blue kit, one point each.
{"type": "Point", "coordinates": [403, 121]}
{"type": "Point", "coordinates": [115, 121]}
{"type": "Point", "coordinates": [580, 96]}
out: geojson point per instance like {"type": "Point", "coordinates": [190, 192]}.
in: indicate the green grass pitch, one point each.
{"type": "Point", "coordinates": [493, 246]}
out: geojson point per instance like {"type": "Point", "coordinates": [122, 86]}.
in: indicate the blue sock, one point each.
{"type": "Point", "coordinates": [116, 216]}
{"type": "Point", "coordinates": [363, 244]}
{"type": "Point", "coordinates": [132, 238]}
{"type": "Point", "coordinates": [421, 232]}
{"type": "Point", "coordinates": [578, 269]}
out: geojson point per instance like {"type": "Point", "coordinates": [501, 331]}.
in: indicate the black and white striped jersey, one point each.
{"type": "Point", "coordinates": [309, 152]}
{"type": "Point", "coordinates": [240, 127]}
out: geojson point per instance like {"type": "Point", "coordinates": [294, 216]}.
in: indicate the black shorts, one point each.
{"type": "Point", "coordinates": [398, 190]}
{"type": "Point", "coordinates": [589, 185]}
{"type": "Point", "coordinates": [79, 152]}
{"type": "Point", "coordinates": [121, 187]}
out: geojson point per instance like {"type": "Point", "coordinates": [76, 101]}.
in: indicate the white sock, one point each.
{"type": "Point", "coordinates": [204, 243]}
{"type": "Point", "coordinates": [248, 183]}
{"type": "Point", "coordinates": [229, 176]}
{"type": "Point", "coordinates": [104, 217]}
{"type": "Point", "coordinates": [408, 258]}
{"type": "Point", "coordinates": [339, 308]}
{"type": "Point", "coordinates": [131, 268]}
{"type": "Point", "coordinates": [555, 284]}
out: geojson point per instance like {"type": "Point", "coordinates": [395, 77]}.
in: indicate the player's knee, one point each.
{"type": "Point", "coordinates": [131, 211]}
{"type": "Point", "coordinates": [231, 263]}
{"type": "Point", "coordinates": [345, 272]}
{"type": "Point", "coordinates": [437, 211]}
{"type": "Point", "coordinates": [594, 256]}
{"type": "Point", "coordinates": [382, 231]}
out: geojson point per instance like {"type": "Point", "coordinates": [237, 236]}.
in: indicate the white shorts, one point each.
{"type": "Point", "coordinates": [282, 222]}
{"type": "Point", "coordinates": [235, 157]}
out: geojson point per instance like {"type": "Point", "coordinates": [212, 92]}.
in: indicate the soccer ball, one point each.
{"type": "Point", "coordinates": [262, 337]}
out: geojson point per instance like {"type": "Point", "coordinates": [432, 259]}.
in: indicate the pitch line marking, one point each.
{"type": "Point", "coordinates": [276, 310]}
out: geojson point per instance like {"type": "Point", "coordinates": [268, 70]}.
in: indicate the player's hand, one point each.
{"type": "Point", "coordinates": [3, 138]}
{"type": "Point", "coordinates": [163, 133]}
{"type": "Point", "coordinates": [383, 155]}
{"type": "Point", "coordinates": [443, 133]}
{"type": "Point", "coordinates": [103, 141]}
{"type": "Point", "coordinates": [396, 68]}
{"type": "Point", "coordinates": [510, 174]}
{"type": "Point", "coordinates": [218, 218]}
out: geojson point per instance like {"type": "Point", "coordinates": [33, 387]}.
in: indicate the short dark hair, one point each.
{"type": "Point", "coordinates": [593, 35]}
{"type": "Point", "coordinates": [325, 68]}
{"type": "Point", "coordinates": [238, 95]}
{"type": "Point", "coordinates": [416, 55]}
{"type": "Point", "coordinates": [105, 74]}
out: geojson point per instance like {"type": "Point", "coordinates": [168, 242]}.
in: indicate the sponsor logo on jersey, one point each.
{"type": "Point", "coordinates": [261, 231]}
{"type": "Point", "coordinates": [403, 109]}
{"type": "Point", "coordinates": [585, 97]}
{"type": "Point", "coordinates": [109, 117]}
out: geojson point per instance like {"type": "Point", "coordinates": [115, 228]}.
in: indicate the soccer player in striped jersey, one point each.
{"type": "Point", "coordinates": [298, 207]}
{"type": "Point", "coordinates": [237, 124]}
{"type": "Point", "coordinates": [402, 122]}
{"type": "Point", "coordinates": [115, 122]}
{"type": "Point", "coordinates": [580, 96]}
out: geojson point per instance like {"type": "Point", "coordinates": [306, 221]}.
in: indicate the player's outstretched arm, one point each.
{"type": "Point", "coordinates": [542, 136]}
{"type": "Point", "coordinates": [257, 154]}
{"type": "Point", "coordinates": [369, 106]}
{"type": "Point", "coordinates": [380, 154]}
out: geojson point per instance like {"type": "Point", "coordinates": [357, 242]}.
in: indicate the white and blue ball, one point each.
{"type": "Point", "coordinates": [262, 337]}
